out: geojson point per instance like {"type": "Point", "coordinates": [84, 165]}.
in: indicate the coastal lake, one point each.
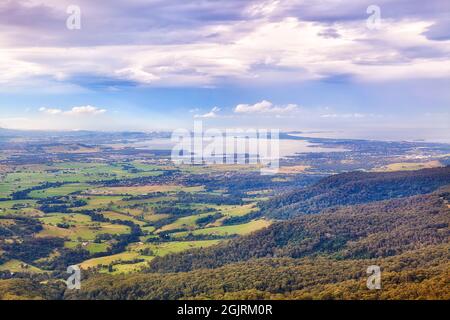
{"type": "Point", "coordinates": [286, 147]}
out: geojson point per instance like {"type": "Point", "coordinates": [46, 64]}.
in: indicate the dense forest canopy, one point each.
{"type": "Point", "coordinates": [355, 188]}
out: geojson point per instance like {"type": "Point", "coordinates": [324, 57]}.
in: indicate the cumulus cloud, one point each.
{"type": "Point", "coordinates": [86, 110]}
{"type": "Point", "coordinates": [75, 111]}
{"type": "Point", "coordinates": [265, 107]}
{"type": "Point", "coordinates": [51, 111]}
{"type": "Point", "coordinates": [210, 114]}
{"type": "Point", "coordinates": [137, 75]}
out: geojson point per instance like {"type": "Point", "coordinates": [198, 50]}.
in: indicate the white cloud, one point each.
{"type": "Point", "coordinates": [265, 107]}
{"type": "Point", "coordinates": [75, 111]}
{"type": "Point", "coordinates": [137, 74]}
{"type": "Point", "coordinates": [51, 111]}
{"type": "Point", "coordinates": [85, 110]}
{"type": "Point", "coordinates": [264, 8]}
{"type": "Point", "coordinates": [245, 52]}
{"type": "Point", "coordinates": [210, 114]}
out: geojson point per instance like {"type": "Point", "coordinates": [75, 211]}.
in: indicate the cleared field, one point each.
{"type": "Point", "coordinates": [125, 256]}
{"type": "Point", "coordinates": [119, 216]}
{"type": "Point", "coordinates": [122, 261]}
{"type": "Point", "coordinates": [19, 266]}
{"type": "Point", "coordinates": [7, 222]}
{"type": "Point", "coordinates": [165, 248]}
{"type": "Point", "coordinates": [99, 202]}
{"type": "Point", "coordinates": [93, 171]}
{"type": "Point", "coordinates": [293, 169]}
{"type": "Point", "coordinates": [233, 211]}
{"type": "Point", "coordinates": [59, 191]}
{"type": "Point", "coordinates": [68, 172]}
{"type": "Point", "coordinates": [6, 189]}
{"type": "Point", "coordinates": [227, 210]}
{"type": "Point", "coordinates": [92, 247]}
{"type": "Point", "coordinates": [33, 176]}
{"type": "Point", "coordinates": [237, 211]}
{"type": "Point", "coordinates": [405, 166]}
{"type": "Point", "coordinates": [17, 203]}
{"type": "Point", "coordinates": [79, 231]}
{"type": "Point", "coordinates": [239, 229]}
{"type": "Point", "coordinates": [148, 229]}
{"type": "Point", "coordinates": [148, 202]}
{"type": "Point", "coordinates": [126, 268]}
{"type": "Point", "coordinates": [139, 190]}
{"type": "Point", "coordinates": [135, 212]}
{"type": "Point", "coordinates": [71, 149]}
{"type": "Point", "coordinates": [198, 169]}
{"type": "Point", "coordinates": [56, 218]}
{"type": "Point", "coordinates": [155, 217]}
{"type": "Point", "coordinates": [30, 212]}
{"type": "Point", "coordinates": [185, 222]}
{"type": "Point", "coordinates": [79, 165]}
{"type": "Point", "coordinates": [83, 232]}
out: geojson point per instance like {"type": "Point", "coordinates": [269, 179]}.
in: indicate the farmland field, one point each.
{"type": "Point", "coordinates": [240, 229]}
{"type": "Point", "coordinates": [122, 212]}
{"type": "Point", "coordinates": [116, 224]}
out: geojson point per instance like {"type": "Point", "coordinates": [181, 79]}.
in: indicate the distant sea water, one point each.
{"type": "Point", "coordinates": [287, 147]}
{"type": "Point", "coordinates": [412, 135]}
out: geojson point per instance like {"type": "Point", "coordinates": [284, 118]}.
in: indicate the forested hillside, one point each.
{"type": "Point", "coordinates": [418, 274]}
{"type": "Point", "coordinates": [322, 256]}
{"type": "Point", "coordinates": [355, 188]}
{"type": "Point", "coordinates": [374, 230]}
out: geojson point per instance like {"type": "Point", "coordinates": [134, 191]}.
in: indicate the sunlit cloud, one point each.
{"type": "Point", "coordinates": [51, 111]}
{"type": "Point", "coordinates": [265, 107]}
{"type": "Point", "coordinates": [85, 110]}
{"type": "Point", "coordinates": [75, 111]}
{"type": "Point", "coordinates": [210, 114]}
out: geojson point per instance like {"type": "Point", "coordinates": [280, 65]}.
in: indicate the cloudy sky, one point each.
{"type": "Point", "coordinates": [305, 65]}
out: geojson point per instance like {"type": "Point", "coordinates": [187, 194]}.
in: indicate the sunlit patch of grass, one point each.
{"type": "Point", "coordinates": [409, 166]}
{"type": "Point", "coordinates": [92, 247]}
{"type": "Point", "coordinates": [239, 229]}
{"type": "Point", "coordinates": [84, 232]}
{"type": "Point", "coordinates": [112, 215]}
{"type": "Point", "coordinates": [141, 190]}
{"type": "Point", "coordinates": [59, 191]}
{"type": "Point", "coordinates": [19, 266]}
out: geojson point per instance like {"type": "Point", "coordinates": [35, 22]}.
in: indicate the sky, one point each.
{"type": "Point", "coordinates": [359, 69]}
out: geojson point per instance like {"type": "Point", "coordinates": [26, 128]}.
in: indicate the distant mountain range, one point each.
{"type": "Point", "coordinates": [81, 134]}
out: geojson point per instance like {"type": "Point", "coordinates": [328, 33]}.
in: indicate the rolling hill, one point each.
{"type": "Point", "coordinates": [317, 256]}
{"type": "Point", "coordinates": [355, 188]}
